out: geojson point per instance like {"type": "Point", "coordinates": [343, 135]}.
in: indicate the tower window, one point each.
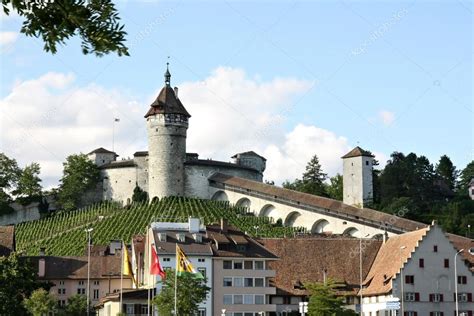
{"type": "Point", "coordinates": [367, 163]}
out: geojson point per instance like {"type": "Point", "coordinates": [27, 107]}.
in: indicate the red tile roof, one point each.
{"type": "Point", "coordinates": [167, 102]}
{"type": "Point", "coordinates": [357, 152]}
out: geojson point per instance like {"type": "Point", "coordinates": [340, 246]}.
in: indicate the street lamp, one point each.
{"type": "Point", "coordinates": [88, 233]}
{"type": "Point", "coordinates": [223, 312]}
{"type": "Point", "coordinates": [360, 271]}
{"type": "Point", "coordinates": [401, 280]}
{"type": "Point", "coordinates": [456, 281]}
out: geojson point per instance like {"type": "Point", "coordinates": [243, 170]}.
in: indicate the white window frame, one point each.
{"type": "Point", "coordinates": [410, 297]}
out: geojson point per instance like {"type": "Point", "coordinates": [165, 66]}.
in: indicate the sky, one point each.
{"type": "Point", "coordinates": [287, 79]}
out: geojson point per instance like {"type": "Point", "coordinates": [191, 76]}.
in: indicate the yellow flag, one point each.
{"type": "Point", "coordinates": [126, 264]}
{"type": "Point", "coordinates": [183, 265]}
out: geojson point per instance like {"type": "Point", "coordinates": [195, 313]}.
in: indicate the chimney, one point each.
{"type": "Point", "coordinates": [42, 251]}
{"type": "Point", "coordinates": [223, 225]}
{"type": "Point", "coordinates": [176, 92]}
{"type": "Point", "coordinates": [41, 267]}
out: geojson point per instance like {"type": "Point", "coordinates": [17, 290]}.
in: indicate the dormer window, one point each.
{"type": "Point", "coordinates": [180, 237]}
{"type": "Point", "coordinates": [197, 237]}
{"type": "Point", "coordinates": [162, 237]}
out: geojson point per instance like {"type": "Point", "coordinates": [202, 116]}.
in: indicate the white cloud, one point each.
{"type": "Point", "coordinates": [48, 118]}
{"type": "Point", "coordinates": [7, 38]}
{"type": "Point", "coordinates": [387, 117]}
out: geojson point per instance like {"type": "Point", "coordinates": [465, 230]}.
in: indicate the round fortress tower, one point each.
{"type": "Point", "coordinates": [167, 123]}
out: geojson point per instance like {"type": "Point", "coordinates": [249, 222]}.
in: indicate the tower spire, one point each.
{"type": "Point", "coordinates": [167, 75]}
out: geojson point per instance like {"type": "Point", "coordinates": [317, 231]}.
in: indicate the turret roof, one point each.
{"type": "Point", "coordinates": [357, 152]}
{"type": "Point", "coordinates": [167, 101]}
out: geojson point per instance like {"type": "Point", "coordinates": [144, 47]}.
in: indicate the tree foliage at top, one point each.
{"type": "Point", "coordinates": [312, 181]}
{"type": "Point", "coordinates": [18, 281]}
{"type": "Point", "coordinates": [28, 186]}
{"type": "Point", "coordinates": [80, 174]}
{"type": "Point", "coordinates": [139, 195]}
{"type": "Point", "coordinates": [76, 306]}
{"type": "Point", "coordinates": [467, 174]}
{"type": "Point", "coordinates": [96, 22]}
{"type": "Point", "coordinates": [40, 303]}
{"type": "Point", "coordinates": [447, 171]}
{"type": "Point", "coordinates": [190, 293]}
{"type": "Point", "coordinates": [325, 301]}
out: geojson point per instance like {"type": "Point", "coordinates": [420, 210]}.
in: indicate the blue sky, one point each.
{"type": "Point", "coordinates": [387, 75]}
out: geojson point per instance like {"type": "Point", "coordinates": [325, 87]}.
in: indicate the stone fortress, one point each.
{"type": "Point", "coordinates": [166, 169]}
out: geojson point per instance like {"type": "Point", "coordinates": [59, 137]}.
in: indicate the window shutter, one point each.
{"type": "Point", "coordinates": [417, 297]}
{"type": "Point", "coordinates": [454, 298]}
{"type": "Point", "coordinates": [469, 297]}
{"type": "Point", "coordinates": [416, 313]}
{"type": "Point", "coordinates": [442, 313]}
{"type": "Point", "coordinates": [431, 297]}
{"type": "Point", "coordinates": [469, 313]}
{"type": "Point", "coordinates": [441, 297]}
{"type": "Point", "coordinates": [431, 313]}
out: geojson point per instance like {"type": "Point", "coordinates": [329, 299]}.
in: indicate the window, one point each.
{"type": "Point", "coordinates": [238, 265]}
{"type": "Point", "coordinates": [436, 297]}
{"type": "Point", "coordinates": [61, 282]}
{"type": "Point", "coordinates": [366, 162]}
{"type": "Point", "coordinates": [201, 260]}
{"type": "Point", "coordinates": [96, 282]}
{"type": "Point", "coordinates": [435, 248]}
{"type": "Point", "coordinates": [436, 313]}
{"type": "Point", "coordinates": [61, 303]}
{"type": "Point", "coordinates": [248, 299]}
{"type": "Point", "coordinates": [462, 279]}
{"type": "Point", "coordinates": [64, 291]}
{"type": "Point", "coordinates": [248, 282]}
{"type": "Point", "coordinates": [462, 297]}
{"type": "Point", "coordinates": [409, 279]}
{"type": "Point", "coordinates": [259, 299]}
{"type": "Point", "coordinates": [227, 264]}
{"type": "Point", "coordinates": [59, 291]}
{"type": "Point", "coordinates": [238, 282]}
{"type": "Point", "coordinates": [259, 282]}
{"type": "Point", "coordinates": [144, 309]}
{"type": "Point", "coordinates": [238, 299]}
{"type": "Point", "coordinates": [202, 271]}
{"type": "Point", "coordinates": [81, 291]}
{"type": "Point", "coordinates": [412, 297]}
{"type": "Point", "coordinates": [201, 312]}
{"type": "Point", "coordinates": [410, 313]}
{"type": "Point", "coordinates": [227, 282]}
{"type": "Point", "coordinates": [446, 263]}
{"type": "Point", "coordinates": [258, 265]}
{"type": "Point", "coordinates": [422, 263]}
{"type": "Point", "coordinates": [129, 309]}
{"type": "Point", "coordinates": [166, 259]}
{"type": "Point", "coordinates": [227, 299]}
{"type": "Point", "coordinates": [248, 265]}
{"type": "Point", "coordinates": [95, 294]}
{"type": "Point", "coordinates": [81, 282]}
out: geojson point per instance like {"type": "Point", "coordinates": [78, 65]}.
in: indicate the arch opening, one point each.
{"type": "Point", "coordinates": [244, 202]}
{"type": "Point", "coordinates": [377, 237]}
{"type": "Point", "coordinates": [220, 196]}
{"type": "Point", "coordinates": [291, 218]}
{"type": "Point", "coordinates": [351, 231]}
{"type": "Point", "coordinates": [320, 226]}
{"type": "Point", "coordinates": [267, 210]}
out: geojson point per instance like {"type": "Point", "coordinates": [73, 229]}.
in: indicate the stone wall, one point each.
{"type": "Point", "coordinates": [21, 214]}
{"type": "Point", "coordinates": [118, 184]}
{"type": "Point", "coordinates": [357, 181]}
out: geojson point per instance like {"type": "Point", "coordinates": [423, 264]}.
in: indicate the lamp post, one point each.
{"type": "Point", "coordinates": [456, 281]}
{"type": "Point", "coordinates": [401, 281]}
{"type": "Point", "coordinates": [360, 272]}
{"type": "Point", "coordinates": [88, 233]}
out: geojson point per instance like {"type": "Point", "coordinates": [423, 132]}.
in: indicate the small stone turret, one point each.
{"type": "Point", "coordinates": [357, 177]}
{"type": "Point", "coordinates": [167, 124]}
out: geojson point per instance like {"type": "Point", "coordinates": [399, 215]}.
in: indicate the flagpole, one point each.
{"type": "Point", "coordinates": [113, 135]}
{"type": "Point", "coordinates": [176, 283]}
{"type": "Point", "coordinates": [121, 277]}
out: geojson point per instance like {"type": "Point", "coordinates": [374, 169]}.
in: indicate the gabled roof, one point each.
{"type": "Point", "coordinates": [357, 152]}
{"type": "Point", "coordinates": [119, 164]}
{"type": "Point", "coordinates": [101, 150]}
{"type": "Point", "coordinates": [7, 240]}
{"type": "Point", "coordinates": [167, 103]}
{"type": "Point", "coordinates": [307, 259]}
{"type": "Point", "coordinates": [249, 153]}
{"type": "Point", "coordinates": [390, 259]}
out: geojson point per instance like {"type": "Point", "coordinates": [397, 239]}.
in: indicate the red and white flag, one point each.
{"type": "Point", "coordinates": [156, 268]}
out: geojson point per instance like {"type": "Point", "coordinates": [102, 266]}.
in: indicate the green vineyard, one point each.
{"type": "Point", "coordinates": [62, 234]}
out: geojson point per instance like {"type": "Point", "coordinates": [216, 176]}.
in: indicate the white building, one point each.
{"type": "Point", "coordinates": [357, 177]}
{"type": "Point", "coordinates": [418, 269]}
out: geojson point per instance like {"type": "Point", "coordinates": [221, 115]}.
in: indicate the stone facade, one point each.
{"type": "Point", "coordinates": [357, 178]}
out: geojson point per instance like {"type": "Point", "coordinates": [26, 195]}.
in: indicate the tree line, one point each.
{"type": "Point", "coordinates": [411, 182]}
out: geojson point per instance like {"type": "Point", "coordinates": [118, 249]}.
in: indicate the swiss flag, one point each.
{"type": "Point", "coordinates": [156, 268]}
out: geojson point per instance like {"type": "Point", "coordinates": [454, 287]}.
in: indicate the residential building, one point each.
{"type": "Point", "coordinates": [241, 272]}
{"type": "Point", "coordinates": [418, 269]}
{"type": "Point", "coordinates": [7, 240]}
{"type": "Point", "coordinates": [309, 259]}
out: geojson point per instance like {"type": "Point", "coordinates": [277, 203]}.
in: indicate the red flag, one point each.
{"type": "Point", "coordinates": [156, 268]}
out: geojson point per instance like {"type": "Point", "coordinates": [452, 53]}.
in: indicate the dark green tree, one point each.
{"type": "Point", "coordinates": [467, 174]}
{"type": "Point", "coordinates": [312, 181]}
{"type": "Point", "coordinates": [28, 188]}
{"type": "Point", "coordinates": [324, 299]}
{"type": "Point", "coordinates": [335, 188]}
{"type": "Point", "coordinates": [191, 291]}
{"type": "Point", "coordinates": [9, 172]}
{"type": "Point", "coordinates": [95, 22]}
{"type": "Point", "coordinates": [76, 306]}
{"type": "Point", "coordinates": [40, 303]}
{"type": "Point", "coordinates": [139, 195]}
{"type": "Point", "coordinates": [17, 282]}
{"type": "Point", "coordinates": [80, 175]}
{"type": "Point", "coordinates": [446, 170]}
